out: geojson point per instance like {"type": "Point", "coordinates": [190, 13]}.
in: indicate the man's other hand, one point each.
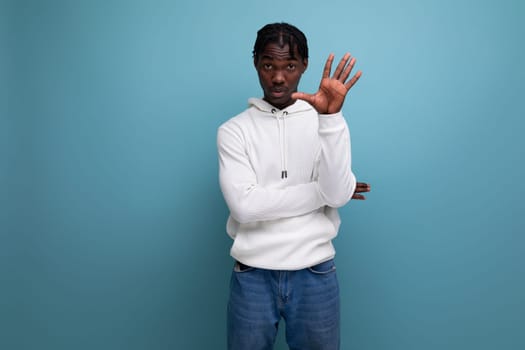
{"type": "Point", "coordinates": [361, 187]}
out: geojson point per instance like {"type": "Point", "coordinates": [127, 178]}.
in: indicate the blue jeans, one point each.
{"type": "Point", "coordinates": [307, 299]}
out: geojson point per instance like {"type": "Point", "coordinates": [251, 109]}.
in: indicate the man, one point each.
{"type": "Point", "coordinates": [284, 168]}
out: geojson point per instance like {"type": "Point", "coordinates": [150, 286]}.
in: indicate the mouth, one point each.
{"type": "Point", "coordinates": [278, 92]}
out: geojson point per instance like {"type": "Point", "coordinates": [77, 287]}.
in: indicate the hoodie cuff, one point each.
{"type": "Point", "coordinates": [331, 122]}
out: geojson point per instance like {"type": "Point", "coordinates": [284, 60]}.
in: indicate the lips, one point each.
{"type": "Point", "coordinates": [278, 92]}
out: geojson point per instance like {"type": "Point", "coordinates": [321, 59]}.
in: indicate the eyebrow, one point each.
{"type": "Point", "coordinates": [269, 57]}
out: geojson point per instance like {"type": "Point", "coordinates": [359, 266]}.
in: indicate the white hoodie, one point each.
{"type": "Point", "coordinates": [282, 174]}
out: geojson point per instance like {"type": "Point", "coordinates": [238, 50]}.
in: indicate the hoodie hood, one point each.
{"type": "Point", "coordinates": [263, 106]}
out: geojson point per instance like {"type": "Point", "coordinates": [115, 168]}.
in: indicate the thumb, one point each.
{"type": "Point", "coordinates": [302, 96]}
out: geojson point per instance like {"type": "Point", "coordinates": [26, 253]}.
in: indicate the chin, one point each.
{"type": "Point", "coordinates": [280, 103]}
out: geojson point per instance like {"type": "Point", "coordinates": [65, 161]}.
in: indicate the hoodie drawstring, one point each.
{"type": "Point", "coordinates": [281, 125]}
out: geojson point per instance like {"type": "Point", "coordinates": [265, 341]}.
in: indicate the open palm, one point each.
{"type": "Point", "coordinates": [332, 90]}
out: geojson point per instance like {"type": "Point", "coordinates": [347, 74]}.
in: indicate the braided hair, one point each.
{"type": "Point", "coordinates": [281, 34]}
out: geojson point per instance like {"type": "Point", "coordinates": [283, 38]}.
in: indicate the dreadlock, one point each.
{"type": "Point", "coordinates": [281, 34]}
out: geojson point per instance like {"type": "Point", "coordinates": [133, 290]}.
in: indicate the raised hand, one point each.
{"type": "Point", "coordinates": [332, 90]}
{"type": "Point", "coordinates": [361, 187]}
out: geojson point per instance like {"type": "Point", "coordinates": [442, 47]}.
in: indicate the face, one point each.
{"type": "Point", "coordinates": [279, 74]}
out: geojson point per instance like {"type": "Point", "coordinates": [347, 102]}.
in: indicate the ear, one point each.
{"type": "Point", "coordinates": [305, 64]}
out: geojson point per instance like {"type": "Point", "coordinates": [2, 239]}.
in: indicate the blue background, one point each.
{"type": "Point", "coordinates": [113, 223]}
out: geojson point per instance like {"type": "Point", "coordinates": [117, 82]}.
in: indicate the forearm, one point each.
{"type": "Point", "coordinates": [247, 200]}
{"type": "Point", "coordinates": [251, 202]}
{"type": "Point", "coordinates": [336, 180]}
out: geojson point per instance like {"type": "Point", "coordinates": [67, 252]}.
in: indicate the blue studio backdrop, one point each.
{"type": "Point", "coordinates": [113, 224]}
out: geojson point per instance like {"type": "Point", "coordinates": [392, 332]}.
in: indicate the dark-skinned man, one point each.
{"type": "Point", "coordinates": [284, 169]}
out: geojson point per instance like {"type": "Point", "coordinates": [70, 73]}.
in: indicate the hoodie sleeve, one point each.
{"type": "Point", "coordinates": [336, 181]}
{"type": "Point", "coordinates": [246, 199]}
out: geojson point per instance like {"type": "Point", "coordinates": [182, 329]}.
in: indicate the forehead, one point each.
{"type": "Point", "coordinates": [279, 52]}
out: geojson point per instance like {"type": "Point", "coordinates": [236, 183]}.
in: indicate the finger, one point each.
{"type": "Point", "coordinates": [348, 70]}
{"type": "Point", "coordinates": [328, 66]}
{"type": "Point", "coordinates": [362, 187]}
{"type": "Point", "coordinates": [358, 197]}
{"type": "Point", "coordinates": [341, 66]}
{"type": "Point", "coordinates": [354, 80]}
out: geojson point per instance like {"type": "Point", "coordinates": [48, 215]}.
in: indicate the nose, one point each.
{"type": "Point", "coordinates": [278, 77]}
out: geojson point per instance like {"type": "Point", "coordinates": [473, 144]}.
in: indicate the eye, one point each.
{"type": "Point", "coordinates": [291, 66]}
{"type": "Point", "coordinates": [267, 66]}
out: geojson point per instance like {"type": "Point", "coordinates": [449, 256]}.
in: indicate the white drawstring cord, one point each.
{"type": "Point", "coordinates": [282, 141]}
{"type": "Point", "coordinates": [284, 173]}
